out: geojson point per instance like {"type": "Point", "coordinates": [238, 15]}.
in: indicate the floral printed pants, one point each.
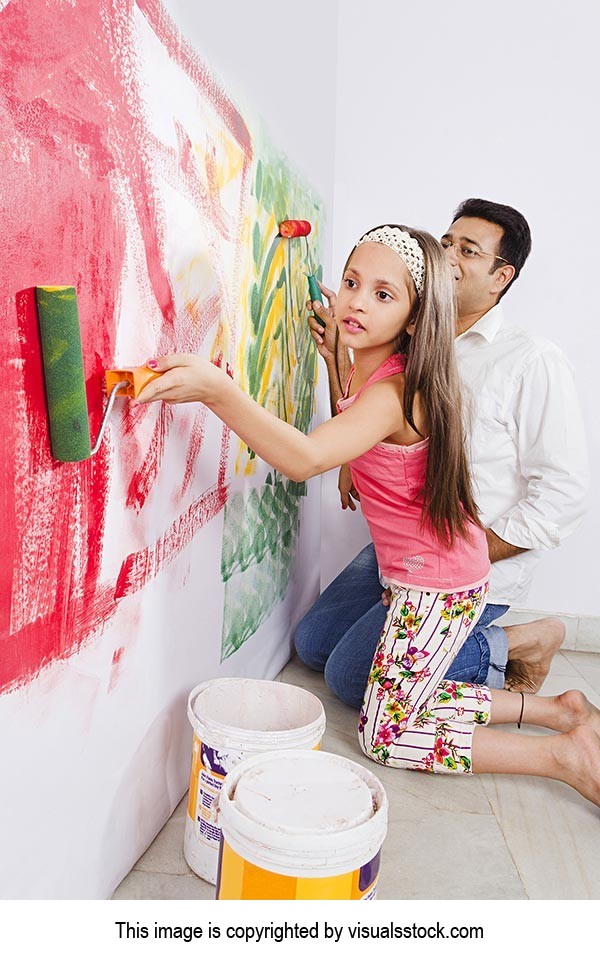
{"type": "Point", "coordinates": [411, 717]}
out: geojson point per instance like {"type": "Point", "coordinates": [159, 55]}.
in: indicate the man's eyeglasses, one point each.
{"type": "Point", "coordinates": [468, 252]}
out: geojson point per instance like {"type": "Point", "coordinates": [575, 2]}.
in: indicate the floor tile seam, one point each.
{"type": "Point", "coordinates": [573, 665]}
{"type": "Point", "coordinates": [446, 811]}
{"type": "Point", "coordinates": [595, 686]}
{"type": "Point", "coordinates": [504, 838]}
{"type": "Point", "coordinates": [153, 871]}
{"type": "Point", "coordinates": [558, 675]}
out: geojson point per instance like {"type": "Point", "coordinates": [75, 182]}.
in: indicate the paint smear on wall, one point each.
{"type": "Point", "coordinates": [87, 189]}
{"type": "Point", "coordinates": [129, 172]}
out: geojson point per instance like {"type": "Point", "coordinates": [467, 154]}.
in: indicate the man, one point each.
{"type": "Point", "coordinates": [528, 458]}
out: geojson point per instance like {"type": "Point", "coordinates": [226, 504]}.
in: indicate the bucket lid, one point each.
{"type": "Point", "coordinates": [303, 795]}
{"type": "Point", "coordinates": [303, 813]}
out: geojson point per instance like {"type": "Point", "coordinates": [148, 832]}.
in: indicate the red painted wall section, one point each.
{"type": "Point", "coordinates": [75, 142]}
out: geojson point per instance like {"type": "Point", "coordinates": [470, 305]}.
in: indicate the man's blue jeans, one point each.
{"type": "Point", "coordinates": [339, 634]}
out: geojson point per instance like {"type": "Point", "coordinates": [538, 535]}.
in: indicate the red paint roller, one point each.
{"type": "Point", "coordinates": [294, 228]}
{"type": "Point", "coordinates": [301, 228]}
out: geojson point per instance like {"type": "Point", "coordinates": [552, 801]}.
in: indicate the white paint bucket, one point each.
{"type": "Point", "coordinates": [233, 718]}
{"type": "Point", "coordinates": [300, 825]}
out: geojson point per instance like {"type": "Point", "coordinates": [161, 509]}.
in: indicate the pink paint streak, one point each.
{"type": "Point", "coordinates": [76, 143]}
{"type": "Point", "coordinates": [143, 479]}
{"type": "Point", "coordinates": [143, 566]}
{"type": "Point", "coordinates": [115, 667]}
{"type": "Point", "coordinates": [195, 445]}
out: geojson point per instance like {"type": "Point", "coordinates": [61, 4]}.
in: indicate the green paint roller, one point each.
{"type": "Point", "coordinates": [65, 380]}
{"type": "Point", "coordinates": [63, 372]}
{"type": "Point", "coordinates": [315, 293]}
{"type": "Point", "coordinates": [313, 288]}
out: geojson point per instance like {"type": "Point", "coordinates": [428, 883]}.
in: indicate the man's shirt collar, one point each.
{"type": "Point", "coordinates": [487, 326]}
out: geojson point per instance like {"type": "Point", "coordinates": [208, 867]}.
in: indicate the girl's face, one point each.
{"type": "Point", "coordinates": [376, 298]}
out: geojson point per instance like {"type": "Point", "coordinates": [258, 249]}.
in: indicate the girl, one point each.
{"type": "Point", "coordinates": [401, 432]}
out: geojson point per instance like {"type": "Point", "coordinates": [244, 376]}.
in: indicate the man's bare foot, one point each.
{"type": "Point", "coordinates": [579, 761]}
{"type": "Point", "coordinates": [531, 648]}
{"type": "Point", "coordinates": [576, 710]}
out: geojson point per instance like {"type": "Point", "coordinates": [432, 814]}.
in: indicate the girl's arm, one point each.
{"type": "Point", "coordinates": [373, 417]}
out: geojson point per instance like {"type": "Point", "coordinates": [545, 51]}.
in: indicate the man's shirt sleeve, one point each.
{"type": "Point", "coordinates": [552, 452]}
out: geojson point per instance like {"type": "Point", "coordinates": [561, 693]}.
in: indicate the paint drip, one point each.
{"type": "Point", "coordinates": [234, 718]}
{"type": "Point", "coordinates": [300, 825]}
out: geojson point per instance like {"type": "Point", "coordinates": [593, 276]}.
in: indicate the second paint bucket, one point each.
{"type": "Point", "coordinates": [301, 825]}
{"type": "Point", "coordinates": [234, 718]}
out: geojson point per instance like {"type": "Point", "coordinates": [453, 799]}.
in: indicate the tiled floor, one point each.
{"type": "Point", "coordinates": [482, 837]}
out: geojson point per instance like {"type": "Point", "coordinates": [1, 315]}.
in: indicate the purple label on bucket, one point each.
{"type": "Point", "coordinates": [214, 760]}
{"type": "Point", "coordinates": [369, 873]}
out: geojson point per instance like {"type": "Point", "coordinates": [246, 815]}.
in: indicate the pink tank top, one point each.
{"type": "Point", "coordinates": [390, 479]}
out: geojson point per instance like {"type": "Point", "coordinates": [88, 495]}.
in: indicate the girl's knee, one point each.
{"type": "Point", "coordinates": [375, 755]}
{"type": "Point", "coordinates": [366, 749]}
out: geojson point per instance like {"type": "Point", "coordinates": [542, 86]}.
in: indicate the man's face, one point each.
{"type": "Point", "coordinates": [470, 245]}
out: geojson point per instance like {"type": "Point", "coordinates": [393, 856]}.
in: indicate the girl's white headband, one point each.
{"type": "Point", "coordinates": [405, 246]}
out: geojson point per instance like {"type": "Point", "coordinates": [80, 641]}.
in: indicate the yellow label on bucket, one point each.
{"type": "Point", "coordinates": [194, 774]}
{"type": "Point", "coordinates": [239, 879]}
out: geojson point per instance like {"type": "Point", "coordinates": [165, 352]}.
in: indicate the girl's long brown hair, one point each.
{"type": "Point", "coordinates": [431, 371]}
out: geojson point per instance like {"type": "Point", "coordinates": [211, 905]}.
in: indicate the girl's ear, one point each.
{"type": "Point", "coordinates": [410, 328]}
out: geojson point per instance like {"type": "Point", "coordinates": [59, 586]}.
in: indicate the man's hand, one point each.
{"type": "Point", "coordinates": [347, 489]}
{"type": "Point", "coordinates": [499, 549]}
{"type": "Point", "coordinates": [324, 333]}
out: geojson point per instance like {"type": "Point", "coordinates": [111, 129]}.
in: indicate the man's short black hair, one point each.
{"type": "Point", "coordinates": [515, 244]}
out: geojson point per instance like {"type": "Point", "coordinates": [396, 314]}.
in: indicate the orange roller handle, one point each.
{"type": "Point", "coordinates": [138, 377]}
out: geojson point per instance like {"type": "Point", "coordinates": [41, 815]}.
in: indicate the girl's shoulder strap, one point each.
{"type": "Point", "coordinates": [395, 364]}
{"type": "Point", "coordinates": [348, 383]}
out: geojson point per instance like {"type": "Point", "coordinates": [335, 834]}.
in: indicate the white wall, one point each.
{"type": "Point", "coordinates": [94, 743]}
{"type": "Point", "coordinates": [261, 51]}
{"type": "Point", "coordinates": [439, 102]}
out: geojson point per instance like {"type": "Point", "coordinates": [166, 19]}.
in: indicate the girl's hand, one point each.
{"type": "Point", "coordinates": [186, 377]}
{"type": "Point", "coordinates": [347, 489]}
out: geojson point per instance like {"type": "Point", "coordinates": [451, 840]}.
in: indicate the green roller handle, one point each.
{"type": "Point", "coordinates": [315, 295]}
{"type": "Point", "coordinates": [64, 373]}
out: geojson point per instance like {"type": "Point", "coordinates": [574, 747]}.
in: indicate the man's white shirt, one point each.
{"type": "Point", "coordinates": [528, 448]}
